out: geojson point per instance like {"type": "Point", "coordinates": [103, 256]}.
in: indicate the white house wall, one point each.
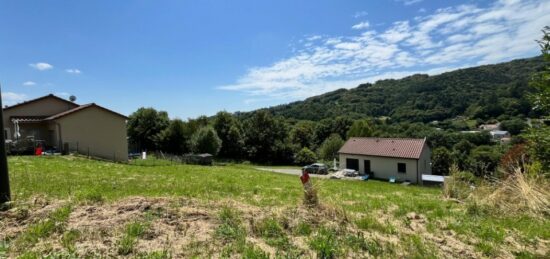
{"type": "Point", "coordinates": [385, 167]}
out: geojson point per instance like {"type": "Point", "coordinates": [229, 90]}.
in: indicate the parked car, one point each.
{"type": "Point", "coordinates": [350, 172]}
{"type": "Point", "coordinates": [316, 168]}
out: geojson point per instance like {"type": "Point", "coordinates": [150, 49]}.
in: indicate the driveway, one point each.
{"type": "Point", "coordinates": [296, 172]}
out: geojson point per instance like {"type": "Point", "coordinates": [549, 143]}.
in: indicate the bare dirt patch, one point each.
{"type": "Point", "coordinates": [184, 228]}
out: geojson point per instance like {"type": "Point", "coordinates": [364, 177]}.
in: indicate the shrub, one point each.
{"type": "Point", "coordinates": [305, 156]}
{"type": "Point", "coordinates": [329, 148]}
{"type": "Point", "coordinates": [206, 140]}
{"type": "Point", "coordinates": [457, 185]}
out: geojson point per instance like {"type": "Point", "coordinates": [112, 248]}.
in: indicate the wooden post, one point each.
{"type": "Point", "coordinates": [5, 194]}
{"type": "Point", "coordinates": [310, 194]}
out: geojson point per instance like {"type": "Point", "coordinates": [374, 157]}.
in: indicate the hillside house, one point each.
{"type": "Point", "coordinates": [65, 126]}
{"type": "Point", "coordinates": [385, 158]}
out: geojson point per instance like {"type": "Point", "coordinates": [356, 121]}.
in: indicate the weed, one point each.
{"type": "Point", "coordinates": [272, 232]}
{"type": "Point", "coordinates": [303, 229]}
{"type": "Point", "coordinates": [69, 239]}
{"type": "Point", "coordinates": [54, 223]}
{"type": "Point", "coordinates": [325, 243]}
{"type": "Point", "coordinates": [524, 255]}
{"type": "Point", "coordinates": [126, 245]}
{"type": "Point", "coordinates": [252, 252]}
{"type": "Point", "coordinates": [92, 197]}
{"type": "Point", "coordinates": [4, 247]}
{"type": "Point", "coordinates": [132, 232]}
{"type": "Point", "coordinates": [230, 230]}
{"type": "Point", "coordinates": [29, 255]}
{"type": "Point", "coordinates": [371, 223]}
{"type": "Point", "coordinates": [358, 242]}
{"type": "Point", "coordinates": [486, 248]}
{"type": "Point", "coordinates": [417, 248]}
{"type": "Point", "coordinates": [135, 229]}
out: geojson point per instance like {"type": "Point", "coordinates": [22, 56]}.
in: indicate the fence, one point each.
{"type": "Point", "coordinates": [158, 158]}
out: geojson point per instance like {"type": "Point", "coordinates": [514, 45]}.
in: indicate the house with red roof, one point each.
{"type": "Point", "coordinates": [65, 126]}
{"type": "Point", "coordinates": [402, 159]}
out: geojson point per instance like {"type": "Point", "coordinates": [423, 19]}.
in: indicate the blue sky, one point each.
{"type": "Point", "coordinates": [198, 57]}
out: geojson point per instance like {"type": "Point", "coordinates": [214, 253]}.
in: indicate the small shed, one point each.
{"type": "Point", "coordinates": [198, 159]}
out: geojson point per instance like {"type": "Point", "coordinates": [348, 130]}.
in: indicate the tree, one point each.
{"type": "Point", "coordinates": [539, 138]}
{"type": "Point", "coordinates": [205, 140]}
{"type": "Point", "coordinates": [174, 139]}
{"type": "Point", "coordinates": [441, 161]}
{"type": "Point", "coordinates": [302, 134]}
{"type": "Point", "coordinates": [463, 147]}
{"type": "Point", "coordinates": [483, 160]}
{"type": "Point", "coordinates": [329, 148]}
{"type": "Point", "coordinates": [305, 156]}
{"type": "Point", "coordinates": [514, 126]}
{"type": "Point", "coordinates": [326, 127]}
{"type": "Point", "coordinates": [541, 80]}
{"type": "Point", "coordinates": [265, 138]}
{"type": "Point", "coordinates": [145, 126]}
{"type": "Point", "coordinates": [360, 128]}
{"type": "Point", "coordinates": [230, 132]}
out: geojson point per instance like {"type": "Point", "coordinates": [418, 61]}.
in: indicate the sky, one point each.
{"type": "Point", "coordinates": [194, 58]}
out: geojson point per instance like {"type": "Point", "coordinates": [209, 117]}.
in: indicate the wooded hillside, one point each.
{"type": "Point", "coordinates": [479, 92]}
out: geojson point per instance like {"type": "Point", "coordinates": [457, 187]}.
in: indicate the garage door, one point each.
{"type": "Point", "coordinates": [352, 164]}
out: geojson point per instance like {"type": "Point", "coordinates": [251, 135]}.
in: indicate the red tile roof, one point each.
{"type": "Point", "coordinates": [386, 147]}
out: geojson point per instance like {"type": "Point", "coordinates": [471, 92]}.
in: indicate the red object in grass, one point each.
{"type": "Point", "coordinates": [38, 151]}
{"type": "Point", "coordinates": [304, 177]}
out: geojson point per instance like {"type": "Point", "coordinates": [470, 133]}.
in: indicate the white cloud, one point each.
{"type": "Point", "coordinates": [73, 71]}
{"type": "Point", "coordinates": [29, 83]}
{"type": "Point", "coordinates": [11, 98]}
{"type": "Point", "coordinates": [41, 66]}
{"type": "Point", "coordinates": [360, 14]}
{"type": "Point", "coordinates": [436, 42]}
{"type": "Point", "coordinates": [409, 2]}
{"type": "Point", "coordinates": [361, 25]}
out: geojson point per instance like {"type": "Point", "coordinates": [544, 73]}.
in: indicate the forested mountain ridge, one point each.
{"type": "Point", "coordinates": [478, 92]}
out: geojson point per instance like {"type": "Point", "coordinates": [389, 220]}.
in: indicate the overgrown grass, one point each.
{"type": "Point", "coordinates": [92, 181]}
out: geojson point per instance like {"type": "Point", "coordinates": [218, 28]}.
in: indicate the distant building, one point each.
{"type": "Point", "coordinates": [66, 126]}
{"type": "Point", "coordinates": [385, 158]}
{"type": "Point", "coordinates": [499, 134]}
{"type": "Point", "coordinates": [489, 127]}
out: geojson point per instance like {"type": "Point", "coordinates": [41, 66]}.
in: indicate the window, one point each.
{"type": "Point", "coordinates": [401, 168]}
{"type": "Point", "coordinates": [6, 133]}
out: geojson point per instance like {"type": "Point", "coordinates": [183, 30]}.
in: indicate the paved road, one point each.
{"type": "Point", "coordinates": [297, 172]}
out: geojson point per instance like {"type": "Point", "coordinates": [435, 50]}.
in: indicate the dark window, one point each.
{"type": "Point", "coordinates": [352, 164]}
{"type": "Point", "coordinates": [5, 134]}
{"type": "Point", "coordinates": [367, 166]}
{"type": "Point", "coordinates": [401, 167]}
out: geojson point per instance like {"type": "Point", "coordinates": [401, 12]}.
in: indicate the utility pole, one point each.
{"type": "Point", "coordinates": [4, 177]}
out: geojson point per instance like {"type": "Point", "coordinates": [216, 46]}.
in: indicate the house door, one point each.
{"type": "Point", "coordinates": [367, 167]}
{"type": "Point", "coordinates": [352, 164]}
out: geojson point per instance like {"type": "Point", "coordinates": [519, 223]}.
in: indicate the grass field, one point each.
{"type": "Point", "coordinates": [69, 206]}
